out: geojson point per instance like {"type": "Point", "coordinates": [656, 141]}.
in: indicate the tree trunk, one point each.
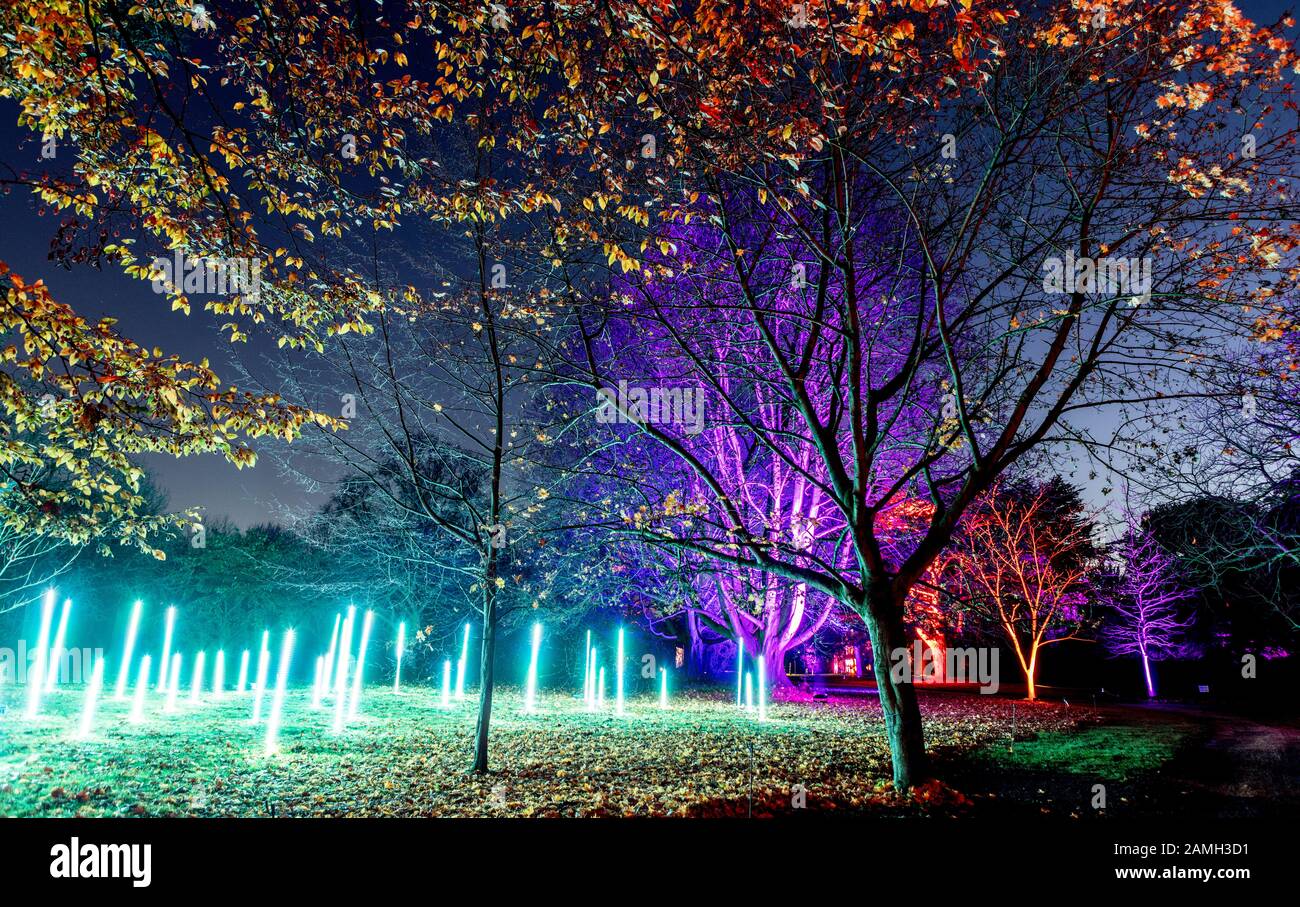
{"type": "Point", "coordinates": [695, 664]}
{"type": "Point", "coordinates": [486, 671]}
{"type": "Point", "coordinates": [903, 728]}
{"type": "Point", "coordinates": [774, 666]}
{"type": "Point", "coordinates": [1031, 674]}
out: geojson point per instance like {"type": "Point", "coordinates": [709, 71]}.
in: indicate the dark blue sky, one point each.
{"type": "Point", "coordinates": [245, 496]}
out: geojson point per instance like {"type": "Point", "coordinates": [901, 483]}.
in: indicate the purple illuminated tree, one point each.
{"type": "Point", "coordinates": [1145, 619]}
{"type": "Point", "coordinates": [877, 310]}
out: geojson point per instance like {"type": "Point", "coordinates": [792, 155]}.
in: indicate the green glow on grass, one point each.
{"type": "Point", "coordinates": [124, 670]}
{"type": "Point", "coordinates": [36, 676]}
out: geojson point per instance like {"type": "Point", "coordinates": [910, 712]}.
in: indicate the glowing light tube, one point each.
{"type": "Point", "coordinates": [446, 683]}
{"type": "Point", "coordinates": [164, 663]}
{"type": "Point", "coordinates": [141, 685]}
{"type": "Point", "coordinates": [462, 665]}
{"type": "Point", "coordinates": [740, 670]}
{"type": "Point", "coordinates": [318, 682]}
{"type": "Point", "coordinates": [618, 667]}
{"type": "Point", "coordinates": [401, 645]}
{"type": "Point", "coordinates": [219, 676]}
{"type": "Point", "coordinates": [92, 697]}
{"type": "Point", "coordinates": [663, 688]}
{"type": "Point", "coordinates": [345, 653]}
{"type": "Point", "coordinates": [259, 688]}
{"type": "Point", "coordinates": [330, 654]}
{"type": "Point", "coordinates": [196, 682]}
{"type": "Point", "coordinates": [762, 689]}
{"type": "Point", "coordinates": [354, 704]}
{"type": "Point", "coordinates": [243, 673]}
{"type": "Point", "coordinates": [36, 676]}
{"type": "Point", "coordinates": [530, 685]}
{"type": "Point", "coordinates": [277, 704]}
{"type": "Point", "coordinates": [56, 650]}
{"type": "Point", "coordinates": [586, 670]}
{"type": "Point", "coordinates": [124, 670]}
{"type": "Point", "coordinates": [173, 684]}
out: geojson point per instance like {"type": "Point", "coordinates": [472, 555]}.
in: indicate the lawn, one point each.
{"type": "Point", "coordinates": [1114, 752]}
{"type": "Point", "coordinates": [406, 756]}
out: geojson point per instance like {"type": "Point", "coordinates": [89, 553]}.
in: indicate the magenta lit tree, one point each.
{"type": "Point", "coordinates": [1146, 620]}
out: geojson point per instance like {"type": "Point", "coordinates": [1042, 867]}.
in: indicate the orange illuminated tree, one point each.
{"type": "Point", "coordinates": [1024, 558]}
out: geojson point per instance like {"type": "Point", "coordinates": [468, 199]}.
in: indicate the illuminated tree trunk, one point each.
{"type": "Point", "coordinates": [774, 665]}
{"type": "Point", "coordinates": [1146, 671]}
{"type": "Point", "coordinates": [883, 614]}
{"type": "Point", "coordinates": [1028, 668]}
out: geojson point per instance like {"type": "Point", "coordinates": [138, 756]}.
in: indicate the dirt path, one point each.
{"type": "Point", "coordinates": [1226, 766]}
{"type": "Point", "coordinates": [1238, 765]}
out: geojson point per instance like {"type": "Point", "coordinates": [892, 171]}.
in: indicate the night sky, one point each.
{"type": "Point", "coordinates": [247, 497]}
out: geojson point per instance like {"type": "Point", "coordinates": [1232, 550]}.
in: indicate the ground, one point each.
{"type": "Point", "coordinates": [406, 756]}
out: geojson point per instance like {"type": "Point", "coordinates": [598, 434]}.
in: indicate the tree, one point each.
{"type": "Point", "coordinates": [29, 563]}
{"type": "Point", "coordinates": [924, 359]}
{"type": "Point", "coordinates": [1076, 131]}
{"type": "Point", "coordinates": [1144, 618]}
{"type": "Point", "coordinates": [1238, 557]}
{"type": "Point", "coordinates": [80, 400]}
{"type": "Point", "coordinates": [1027, 551]}
{"type": "Point", "coordinates": [436, 464]}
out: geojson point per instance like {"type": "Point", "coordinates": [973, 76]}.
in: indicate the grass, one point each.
{"type": "Point", "coordinates": [406, 756]}
{"type": "Point", "coordinates": [1112, 752]}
